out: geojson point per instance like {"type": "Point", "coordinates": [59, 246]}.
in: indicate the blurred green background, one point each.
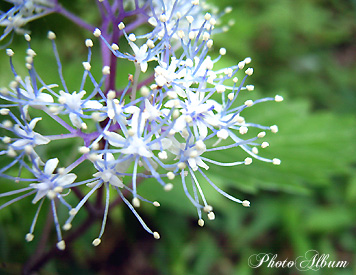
{"type": "Point", "coordinates": [304, 50]}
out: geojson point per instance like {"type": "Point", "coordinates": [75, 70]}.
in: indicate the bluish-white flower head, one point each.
{"type": "Point", "coordinates": [174, 111]}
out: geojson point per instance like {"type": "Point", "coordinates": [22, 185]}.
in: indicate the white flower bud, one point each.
{"type": "Point", "coordinates": [249, 71]}
{"type": "Point", "coordinates": [163, 18]}
{"type": "Point", "coordinates": [106, 70]}
{"type": "Point", "coordinates": [27, 37]}
{"type": "Point", "coordinates": [170, 175]}
{"type": "Point", "coordinates": [61, 245]}
{"type": "Point", "coordinates": [261, 134]}
{"type": "Point", "coordinates": [278, 98]}
{"type": "Point", "coordinates": [168, 187]}
{"type": "Point", "coordinates": [231, 96]}
{"type": "Point", "coordinates": [222, 51]}
{"type": "Point", "coordinates": [136, 202]}
{"type": "Point", "coordinates": [208, 208]}
{"type": "Point", "coordinates": [201, 222]}
{"type": "Point", "coordinates": [96, 242]}
{"type": "Point", "coordinates": [156, 204]}
{"type": "Point", "coordinates": [121, 26]}
{"type": "Point", "coordinates": [89, 43]}
{"type": "Point", "coordinates": [250, 88]}
{"type": "Point", "coordinates": [255, 150]}
{"type": "Point", "coordinates": [248, 161]}
{"type": "Point", "coordinates": [156, 235]}
{"type": "Point", "coordinates": [10, 52]}
{"type": "Point", "coordinates": [207, 16]}
{"type": "Point", "coordinates": [220, 88]}
{"type": "Point", "coordinates": [274, 128]}
{"type": "Point", "coordinates": [249, 103]}
{"type": "Point", "coordinates": [114, 47]}
{"type": "Point", "coordinates": [276, 161]}
{"type": "Point", "coordinates": [182, 165]}
{"type": "Point", "coordinates": [246, 203]}
{"type": "Point", "coordinates": [67, 226]}
{"type": "Point", "coordinates": [97, 32]}
{"type": "Point", "coordinates": [83, 150]}
{"type": "Point", "coordinates": [51, 35]}
{"type": "Point", "coordinates": [264, 144]}
{"type": "Point", "coordinates": [132, 37]}
{"type": "Point", "coordinates": [29, 237]}
{"type": "Point", "coordinates": [223, 134]}
{"type": "Point", "coordinates": [190, 19]}
{"type": "Point", "coordinates": [211, 216]}
{"type": "Point", "coordinates": [210, 43]}
{"type": "Point", "coordinates": [86, 66]}
{"type": "Point", "coordinates": [150, 44]}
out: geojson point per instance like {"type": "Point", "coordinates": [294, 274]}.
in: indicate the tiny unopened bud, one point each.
{"type": "Point", "coordinates": [222, 133]}
{"type": "Point", "coordinates": [249, 71]}
{"type": "Point", "coordinates": [51, 35]}
{"type": "Point", "coordinates": [132, 37]}
{"type": "Point", "coordinates": [212, 21]}
{"type": "Point", "coordinates": [156, 203]}
{"type": "Point", "coordinates": [255, 150]}
{"type": "Point", "coordinates": [121, 26]}
{"type": "Point", "coordinates": [278, 98]}
{"type": "Point", "coordinates": [264, 144]}
{"type": "Point", "coordinates": [136, 202]}
{"type": "Point", "coordinates": [27, 37]}
{"type": "Point", "coordinates": [96, 242]}
{"type": "Point", "coordinates": [274, 128]}
{"type": "Point", "coordinates": [29, 237]}
{"type": "Point", "coordinates": [86, 66]}
{"type": "Point", "coordinates": [170, 175]}
{"type": "Point", "coordinates": [201, 222]}
{"type": "Point", "coordinates": [276, 161]}
{"type": "Point", "coordinates": [156, 235]}
{"type": "Point", "coordinates": [150, 44]}
{"type": "Point", "coordinates": [207, 16]}
{"type": "Point", "coordinates": [190, 19]}
{"type": "Point", "coordinates": [73, 212]}
{"type": "Point", "coordinates": [61, 245]}
{"type": "Point", "coordinates": [89, 43]}
{"type": "Point", "coordinates": [163, 18]}
{"type": "Point", "coordinates": [182, 165]}
{"type": "Point", "coordinates": [248, 161]}
{"type": "Point", "coordinates": [67, 226]}
{"type": "Point", "coordinates": [106, 70]}
{"type": "Point", "coordinates": [241, 65]}
{"type": "Point", "coordinates": [4, 112]}
{"type": "Point", "coordinates": [83, 150]}
{"type": "Point", "coordinates": [228, 9]}
{"type": "Point", "coordinates": [97, 32]}
{"type": "Point", "coordinates": [10, 52]}
{"type": "Point", "coordinates": [261, 134]}
{"type": "Point", "coordinates": [210, 43]}
{"type": "Point", "coordinates": [246, 203]}
{"type": "Point", "coordinates": [168, 187]}
{"type": "Point", "coordinates": [249, 103]}
{"type": "Point", "coordinates": [222, 51]}
{"type": "Point", "coordinates": [114, 47]}
{"type": "Point", "coordinates": [250, 88]}
{"type": "Point", "coordinates": [220, 88]}
{"type": "Point", "coordinates": [243, 130]}
{"type": "Point", "coordinates": [211, 216]}
{"type": "Point", "coordinates": [231, 96]}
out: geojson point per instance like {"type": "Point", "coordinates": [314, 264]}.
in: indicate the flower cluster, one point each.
{"type": "Point", "coordinates": [161, 127]}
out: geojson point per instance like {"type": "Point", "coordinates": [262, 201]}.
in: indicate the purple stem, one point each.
{"type": "Point", "coordinates": [77, 20]}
